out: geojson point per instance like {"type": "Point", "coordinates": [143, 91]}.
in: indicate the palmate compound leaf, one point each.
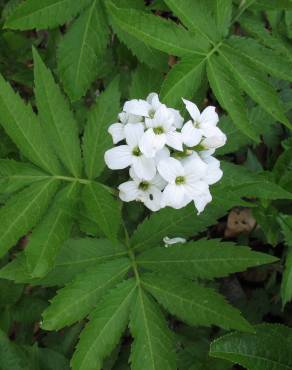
{"type": "Point", "coordinates": [47, 238]}
{"type": "Point", "coordinates": [78, 298]}
{"type": "Point", "coordinates": [82, 49]}
{"type": "Point", "coordinates": [56, 117]}
{"type": "Point", "coordinates": [96, 139]}
{"type": "Point", "coordinates": [16, 175]}
{"type": "Point", "coordinates": [153, 347]}
{"type": "Point", "coordinates": [76, 255]}
{"type": "Point", "coordinates": [23, 127]}
{"type": "Point", "coordinates": [269, 348]}
{"type": "Point", "coordinates": [227, 91]}
{"type": "Point", "coordinates": [193, 303]}
{"type": "Point", "coordinates": [23, 210]}
{"type": "Point", "coordinates": [155, 31]}
{"type": "Point", "coordinates": [106, 325]}
{"type": "Point", "coordinates": [254, 82]}
{"type": "Point", "coordinates": [44, 13]}
{"type": "Point", "coordinates": [206, 259]}
{"type": "Point", "coordinates": [183, 80]}
{"type": "Point", "coordinates": [102, 207]}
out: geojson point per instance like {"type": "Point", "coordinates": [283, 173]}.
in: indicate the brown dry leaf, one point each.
{"type": "Point", "coordinates": [240, 220]}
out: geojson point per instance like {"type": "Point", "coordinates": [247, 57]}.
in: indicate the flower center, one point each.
{"type": "Point", "coordinates": [180, 180]}
{"type": "Point", "coordinates": [144, 185]}
{"type": "Point", "coordinates": [136, 152]}
{"type": "Point", "coordinates": [158, 130]}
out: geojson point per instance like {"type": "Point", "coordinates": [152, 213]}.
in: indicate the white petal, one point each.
{"type": "Point", "coordinates": [138, 107]}
{"type": "Point", "coordinates": [163, 117]}
{"type": "Point", "coordinates": [133, 133]}
{"type": "Point", "coordinates": [170, 241]}
{"type": "Point", "coordinates": [152, 199]}
{"type": "Point", "coordinates": [164, 153]}
{"type": "Point", "coordinates": [174, 140]}
{"type": "Point", "coordinates": [177, 118]}
{"type": "Point", "coordinates": [196, 189]}
{"type": "Point", "coordinates": [133, 176]}
{"type": "Point", "coordinates": [170, 169]}
{"type": "Point", "coordinates": [192, 109]}
{"type": "Point", "coordinates": [209, 116]}
{"type": "Point", "coordinates": [195, 168]}
{"type": "Point", "coordinates": [158, 181]}
{"type": "Point", "coordinates": [144, 168]}
{"type": "Point", "coordinates": [119, 157]}
{"type": "Point", "coordinates": [117, 132]}
{"type": "Point", "coordinates": [191, 136]}
{"type": "Point", "coordinates": [215, 138]}
{"type": "Point", "coordinates": [206, 153]}
{"type": "Point", "coordinates": [173, 196]}
{"type": "Point", "coordinates": [153, 100]}
{"type": "Point", "coordinates": [201, 201]}
{"type": "Point", "coordinates": [129, 118]}
{"type": "Point", "coordinates": [150, 143]}
{"type": "Point", "coordinates": [128, 191]}
{"type": "Point", "coordinates": [214, 173]}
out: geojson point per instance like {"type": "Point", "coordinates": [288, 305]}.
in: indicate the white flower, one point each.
{"type": "Point", "coordinates": [146, 191]}
{"type": "Point", "coordinates": [184, 181]}
{"type": "Point", "coordinates": [123, 156]}
{"type": "Point", "coordinates": [117, 130]}
{"type": "Point", "coordinates": [170, 241]}
{"type": "Point", "coordinates": [161, 131]}
{"type": "Point", "coordinates": [202, 130]}
{"type": "Point", "coordinates": [214, 172]}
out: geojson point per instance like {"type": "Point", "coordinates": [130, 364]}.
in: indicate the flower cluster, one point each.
{"type": "Point", "coordinates": [170, 161]}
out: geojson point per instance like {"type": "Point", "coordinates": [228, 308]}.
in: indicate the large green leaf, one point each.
{"type": "Point", "coordinates": [254, 82]}
{"type": "Point", "coordinates": [267, 349]}
{"type": "Point", "coordinates": [155, 31]}
{"type": "Point", "coordinates": [75, 256]}
{"type": "Point", "coordinates": [44, 13]}
{"type": "Point", "coordinates": [272, 4]}
{"type": "Point", "coordinates": [106, 325]}
{"type": "Point", "coordinates": [82, 49]}
{"type": "Point", "coordinates": [57, 119]}
{"type": "Point", "coordinates": [16, 175]}
{"type": "Point", "coordinates": [144, 80]}
{"type": "Point", "coordinates": [183, 80]}
{"type": "Point", "coordinates": [47, 238]}
{"type": "Point", "coordinates": [78, 298]}
{"type": "Point", "coordinates": [23, 127]}
{"type": "Point", "coordinates": [102, 207]}
{"type": "Point", "coordinates": [226, 89]}
{"type": "Point", "coordinates": [193, 303]}
{"type": "Point", "coordinates": [222, 11]}
{"type": "Point", "coordinates": [153, 347]}
{"type": "Point", "coordinates": [23, 210]}
{"type": "Point", "coordinates": [205, 259]}
{"type": "Point", "coordinates": [286, 285]}
{"type": "Point", "coordinates": [96, 138]}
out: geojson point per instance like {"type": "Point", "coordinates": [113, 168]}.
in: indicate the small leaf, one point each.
{"type": "Point", "coordinates": [106, 325]}
{"type": "Point", "coordinates": [153, 347]}
{"type": "Point", "coordinates": [47, 238]}
{"type": "Point", "coordinates": [205, 259]}
{"type": "Point", "coordinates": [57, 119]}
{"type": "Point", "coordinates": [78, 298]}
{"type": "Point", "coordinates": [251, 350]}
{"type": "Point", "coordinates": [101, 206]}
{"type": "Point", "coordinates": [96, 139]}
{"type": "Point", "coordinates": [23, 211]}
{"type": "Point", "coordinates": [192, 303]}
{"type": "Point", "coordinates": [82, 49]}
{"type": "Point", "coordinates": [44, 13]}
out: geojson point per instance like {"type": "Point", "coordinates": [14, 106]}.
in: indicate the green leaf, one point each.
{"type": "Point", "coordinates": [155, 31]}
{"type": "Point", "coordinates": [47, 238]}
{"type": "Point", "coordinates": [76, 255]}
{"type": "Point", "coordinates": [183, 80]}
{"type": "Point", "coordinates": [265, 59]}
{"type": "Point", "coordinates": [193, 303]}
{"type": "Point", "coordinates": [23, 211]}
{"type": "Point", "coordinates": [10, 356]}
{"type": "Point", "coordinates": [172, 223]}
{"type": "Point", "coordinates": [223, 13]}
{"type": "Point", "coordinates": [57, 119]}
{"type": "Point", "coordinates": [78, 298]}
{"type": "Point", "coordinates": [144, 81]}
{"type": "Point", "coordinates": [252, 350]}
{"type": "Point", "coordinates": [101, 206]}
{"type": "Point", "coordinates": [107, 323]}
{"type": "Point", "coordinates": [226, 89]}
{"type": "Point", "coordinates": [272, 4]}
{"type": "Point", "coordinates": [153, 347]}
{"type": "Point", "coordinates": [254, 82]}
{"type": "Point", "coordinates": [82, 49]}
{"type": "Point", "coordinates": [23, 127]}
{"type": "Point", "coordinates": [96, 139]}
{"type": "Point", "coordinates": [285, 222]}
{"type": "Point", "coordinates": [196, 16]}
{"type": "Point", "coordinates": [204, 259]}
{"type": "Point", "coordinates": [16, 175]}
{"type": "Point", "coordinates": [44, 13]}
